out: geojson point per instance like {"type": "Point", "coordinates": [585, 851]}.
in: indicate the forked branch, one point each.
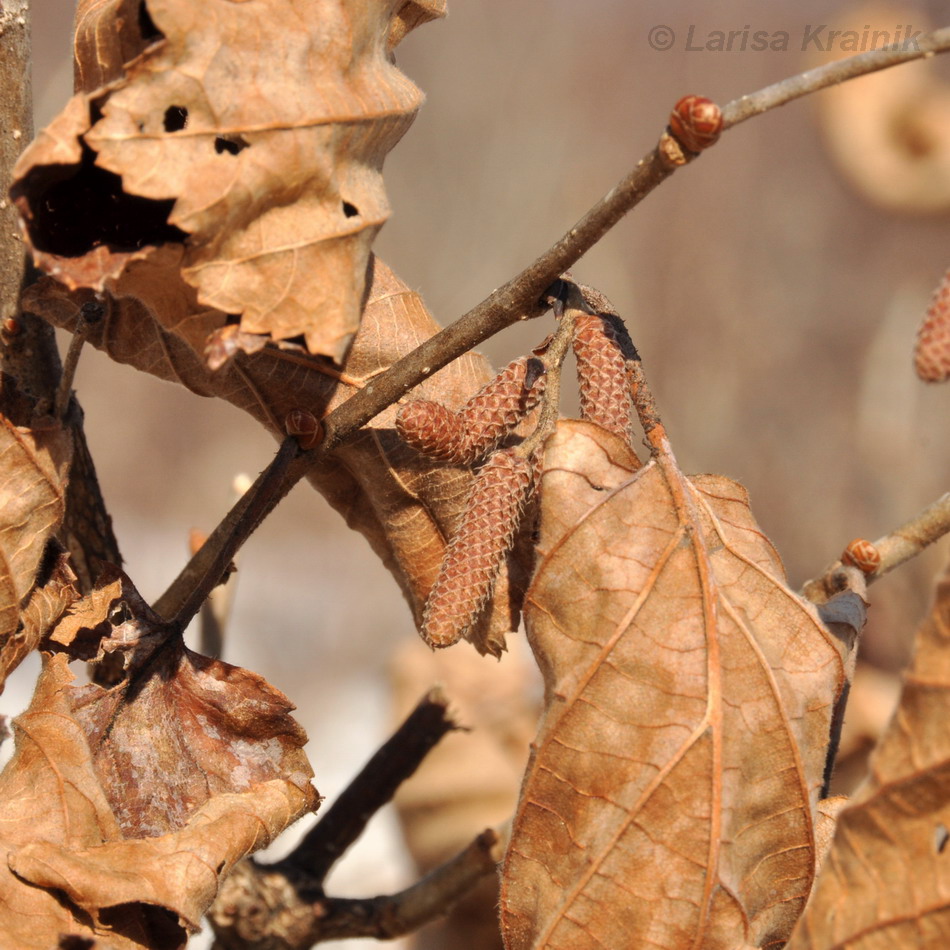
{"type": "Point", "coordinates": [522, 297]}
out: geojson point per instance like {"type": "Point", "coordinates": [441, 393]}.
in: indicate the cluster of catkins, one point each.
{"type": "Point", "coordinates": [507, 477]}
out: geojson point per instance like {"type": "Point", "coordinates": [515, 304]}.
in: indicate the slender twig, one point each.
{"type": "Point", "coordinates": [373, 787]}
{"type": "Point", "coordinates": [204, 571]}
{"type": "Point", "coordinates": [65, 389]}
{"type": "Point", "coordinates": [831, 74]}
{"type": "Point", "coordinates": [392, 916]}
{"type": "Point", "coordinates": [261, 908]}
{"type": "Point", "coordinates": [553, 360]}
{"type": "Point", "coordinates": [896, 547]}
{"type": "Point", "coordinates": [520, 298]}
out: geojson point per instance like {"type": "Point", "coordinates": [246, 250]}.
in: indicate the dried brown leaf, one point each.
{"type": "Point", "coordinates": [34, 464]}
{"type": "Point", "coordinates": [254, 133]}
{"type": "Point", "coordinates": [46, 605]}
{"type": "Point", "coordinates": [123, 808]}
{"type": "Point", "coordinates": [405, 505]}
{"type": "Point", "coordinates": [885, 882]}
{"type": "Point", "coordinates": [672, 794]}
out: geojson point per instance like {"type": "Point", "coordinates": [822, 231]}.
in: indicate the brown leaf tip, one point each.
{"type": "Point", "coordinates": [477, 551]}
{"type": "Point", "coordinates": [305, 426]}
{"type": "Point", "coordinates": [932, 350]}
{"type": "Point", "coordinates": [696, 123]}
{"type": "Point", "coordinates": [862, 555]}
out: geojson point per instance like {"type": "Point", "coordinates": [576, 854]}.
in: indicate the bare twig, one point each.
{"type": "Point", "coordinates": [204, 571]}
{"type": "Point", "coordinates": [65, 389]}
{"type": "Point", "coordinates": [16, 120]}
{"type": "Point", "coordinates": [388, 917]}
{"type": "Point", "coordinates": [521, 297]}
{"type": "Point", "coordinates": [263, 908]}
{"type": "Point", "coordinates": [553, 360]}
{"type": "Point", "coordinates": [283, 905]}
{"type": "Point", "coordinates": [375, 785]}
{"type": "Point", "coordinates": [831, 74]}
{"type": "Point", "coordinates": [896, 547]}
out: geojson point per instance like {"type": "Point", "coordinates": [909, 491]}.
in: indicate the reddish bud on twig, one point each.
{"type": "Point", "coordinates": [12, 326]}
{"type": "Point", "coordinates": [305, 426]}
{"type": "Point", "coordinates": [862, 555]}
{"type": "Point", "coordinates": [476, 552]}
{"type": "Point", "coordinates": [696, 122]}
{"type": "Point", "coordinates": [932, 352]}
{"type": "Point", "coordinates": [602, 374]}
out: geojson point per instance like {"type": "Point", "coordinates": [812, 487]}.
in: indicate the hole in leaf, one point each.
{"type": "Point", "coordinates": [176, 118]}
{"type": "Point", "coordinates": [941, 837]}
{"type": "Point", "coordinates": [232, 144]}
{"type": "Point", "coordinates": [147, 26]}
{"type": "Point", "coordinates": [350, 210]}
{"type": "Point", "coordinates": [72, 209]}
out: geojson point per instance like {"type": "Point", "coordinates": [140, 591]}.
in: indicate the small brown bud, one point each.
{"type": "Point", "coordinates": [932, 351]}
{"type": "Point", "coordinates": [12, 326]}
{"type": "Point", "coordinates": [696, 123]}
{"type": "Point", "coordinates": [476, 553]}
{"type": "Point", "coordinates": [305, 426]}
{"type": "Point", "coordinates": [862, 555]}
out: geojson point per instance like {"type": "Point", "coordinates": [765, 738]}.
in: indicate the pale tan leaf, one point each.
{"type": "Point", "coordinates": [404, 504]}
{"type": "Point", "coordinates": [254, 133]}
{"type": "Point", "coordinates": [886, 880]}
{"type": "Point", "coordinates": [123, 808]}
{"type": "Point", "coordinates": [34, 465]}
{"type": "Point", "coordinates": [671, 796]}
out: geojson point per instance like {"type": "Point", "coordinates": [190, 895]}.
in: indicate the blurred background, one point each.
{"type": "Point", "coordinates": [773, 288]}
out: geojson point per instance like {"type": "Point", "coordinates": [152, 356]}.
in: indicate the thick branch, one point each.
{"type": "Point", "coordinates": [375, 785]}
{"type": "Point", "coordinates": [386, 918]}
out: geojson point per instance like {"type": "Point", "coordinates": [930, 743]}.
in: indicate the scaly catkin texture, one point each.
{"type": "Point", "coordinates": [932, 352]}
{"type": "Point", "coordinates": [431, 429]}
{"type": "Point", "coordinates": [494, 411]}
{"type": "Point", "coordinates": [602, 374]}
{"type": "Point", "coordinates": [476, 552]}
{"type": "Point", "coordinates": [481, 425]}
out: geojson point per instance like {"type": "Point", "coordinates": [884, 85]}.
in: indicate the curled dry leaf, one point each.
{"type": "Point", "coordinates": [122, 808]}
{"type": "Point", "coordinates": [253, 133]}
{"type": "Point", "coordinates": [886, 881]}
{"type": "Point", "coordinates": [404, 504]}
{"type": "Point", "coordinates": [34, 460]}
{"type": "Point", "coordinates": [672, 793]}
